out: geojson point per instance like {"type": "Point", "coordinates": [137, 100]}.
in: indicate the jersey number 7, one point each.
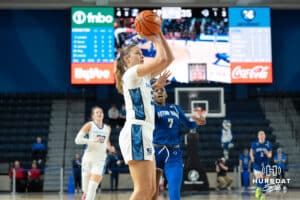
{"type": "Point", "coordinates": [170, 121]}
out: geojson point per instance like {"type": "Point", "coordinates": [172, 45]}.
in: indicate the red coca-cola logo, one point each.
{"type": "Point", "coordinates": [256, 72]}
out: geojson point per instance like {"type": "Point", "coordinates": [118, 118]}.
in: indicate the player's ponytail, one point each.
{"type": "Point", "coordinates": [120, 70]}
{"type": "Point", "coordinates": [121, 67]}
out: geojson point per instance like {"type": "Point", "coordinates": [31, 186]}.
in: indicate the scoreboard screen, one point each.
{"type": "Point", "coordinates": [250, 45]}
{"type": "Point", "coordinates": [92, 46]}
{"type": "Point", "coordinates": [230, 45]}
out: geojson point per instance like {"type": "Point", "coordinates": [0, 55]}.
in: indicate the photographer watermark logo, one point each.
{"type": "Point", "coordinates": [274, 176]}
{"type": "Point", "coordinates": [273, 170]}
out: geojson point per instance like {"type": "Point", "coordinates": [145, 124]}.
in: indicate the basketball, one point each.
{"type": "Point", "coordinates": [147, 22]}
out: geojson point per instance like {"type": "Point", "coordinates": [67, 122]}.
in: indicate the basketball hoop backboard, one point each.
{"type": "Point", "coordinates": [209, 99]}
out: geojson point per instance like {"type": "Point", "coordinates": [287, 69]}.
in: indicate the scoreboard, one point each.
{"type": "Point", "coordinates": [230, 45]}
{"type": "Point", "coordinates": [250, 45]}
{"type": "Point", "coordinates": [92, 46]}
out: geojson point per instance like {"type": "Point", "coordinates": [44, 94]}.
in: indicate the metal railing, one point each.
{"type": "Point", "coordinates": [60, 176]}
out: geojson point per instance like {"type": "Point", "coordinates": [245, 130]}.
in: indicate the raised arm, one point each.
{"type": "Point", "coordinates": [184, 119]}
{"type": "Point", "coordinates": [167, 53]}
{"type": "Point", "coordinates": [162, 80]}
{"type": "Point", "coordinates": [161, 60]}
{"type": "Point", "coordinates": [80, 139]}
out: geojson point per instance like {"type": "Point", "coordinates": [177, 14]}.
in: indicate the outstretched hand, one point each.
{"type": "Point", "coordinates": [162, 81]}
{"type": "Point", "coordinates": [200, 119]}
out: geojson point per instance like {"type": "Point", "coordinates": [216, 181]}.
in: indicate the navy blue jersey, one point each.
{"type": "Point", "coordinates": [260, 158]}
{"type": "Point", "coordinates": [279, 158]}
{"type": "Point", "coordinates": [245, 161]}
{"type": "Point", "coordinates": [168, 121]}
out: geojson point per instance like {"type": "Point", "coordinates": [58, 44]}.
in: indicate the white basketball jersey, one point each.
{"type": "Point", "coordinates": [97, 151]}
{"type": "Point", "coordinates": [138, 96]}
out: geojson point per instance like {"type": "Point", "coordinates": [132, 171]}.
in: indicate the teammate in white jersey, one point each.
{"type": "Point", "coordinates": [94, 156]}
{"type": "Point", "coordinates": [133, 81]}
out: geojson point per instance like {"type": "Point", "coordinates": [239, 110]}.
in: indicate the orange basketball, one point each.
{"type": "Point", "coordinates": [147, 22]}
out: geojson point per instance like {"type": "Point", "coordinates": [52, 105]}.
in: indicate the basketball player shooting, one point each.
{"type": "Point", "coordinates": [133, 77]}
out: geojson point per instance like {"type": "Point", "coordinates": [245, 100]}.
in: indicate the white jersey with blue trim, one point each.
{"type": "Point", "coordinates": [97, 151]}
{"type": "Point", "coordinates": [138, 96]}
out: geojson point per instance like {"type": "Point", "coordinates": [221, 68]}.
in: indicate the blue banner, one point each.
{"type": "Point", "coordinates": [249, 17]}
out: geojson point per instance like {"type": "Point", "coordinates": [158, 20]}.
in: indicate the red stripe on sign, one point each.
{"type": "Point", "coordinates": [92, 73]}
{"type": "Point", "coordinates": [252, 72]}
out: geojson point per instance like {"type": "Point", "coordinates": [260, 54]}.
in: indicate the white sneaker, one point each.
{"type": "Point", "coordinates": [284, 189]}
{"type": "Point", "coordinates": [277, 187]}
{"type": "Point", "coordinates": [271, 188]}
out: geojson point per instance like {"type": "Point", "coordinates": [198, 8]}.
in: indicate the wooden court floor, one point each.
{"type": "Point", "coordinates": [233, 195]}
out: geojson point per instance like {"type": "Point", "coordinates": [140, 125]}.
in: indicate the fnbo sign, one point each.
{"type": "Point", "coordinates": [92, 17]}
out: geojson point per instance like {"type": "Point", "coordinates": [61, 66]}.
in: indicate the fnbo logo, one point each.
{"type": "Point", "coordinates": [80, 17]}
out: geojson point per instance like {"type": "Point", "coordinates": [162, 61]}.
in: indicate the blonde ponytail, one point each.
{"type": "Point", "coordinates": [120, 70]}
{"type": "Point", "coordinates": [121, 66]}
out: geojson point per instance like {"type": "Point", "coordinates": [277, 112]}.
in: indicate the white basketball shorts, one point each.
{"type": "Point", "coordinates": [135, 141]}
{"type": "Point", "coordinates": [93, 167]}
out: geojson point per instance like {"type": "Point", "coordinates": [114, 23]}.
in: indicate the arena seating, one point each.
{"type": "Point", "coordinates": [22, 119]}
{"type": "Point", "coordinates": [247, 119]}
{"type": "Point", "coordinates": [296, 101]}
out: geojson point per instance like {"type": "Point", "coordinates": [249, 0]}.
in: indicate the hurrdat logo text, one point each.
{"type": "Point", "coordinates": [80, 17]}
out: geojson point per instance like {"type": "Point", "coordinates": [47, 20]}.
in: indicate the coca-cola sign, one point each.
{"type": "Point", "coordinates": [257, 72]}
{"type": "Point", "coordinates": [251, 73]}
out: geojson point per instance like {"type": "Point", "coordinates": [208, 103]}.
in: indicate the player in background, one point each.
{"type": "Point", "coordinates": [245, 167]}
{"type": "Point", "coordinates": [260, 153]}
{"type": "Point", "coordinates": [94, 156]}
{"type": "Point", "coordinates": [280, 160]}
{"type": "Point", "coordinates": [167, 139]}
{"type": "Point", "coordinates": [133, 81]}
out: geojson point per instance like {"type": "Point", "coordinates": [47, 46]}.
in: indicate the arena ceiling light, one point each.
{"type": "Point", "coordinates": [247, 2]}
{"type": "Point", "coordinates": [289, 4]}
{"type": "Point", "coordinates": [149, 2]}
{"type": "Point", "coordinates": [61, 4]}
{"type": "Point", "coordinates": [97, 2]}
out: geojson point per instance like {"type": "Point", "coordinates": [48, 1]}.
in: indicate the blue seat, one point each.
{"type": "Point", "coordinates": [22, 119]}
